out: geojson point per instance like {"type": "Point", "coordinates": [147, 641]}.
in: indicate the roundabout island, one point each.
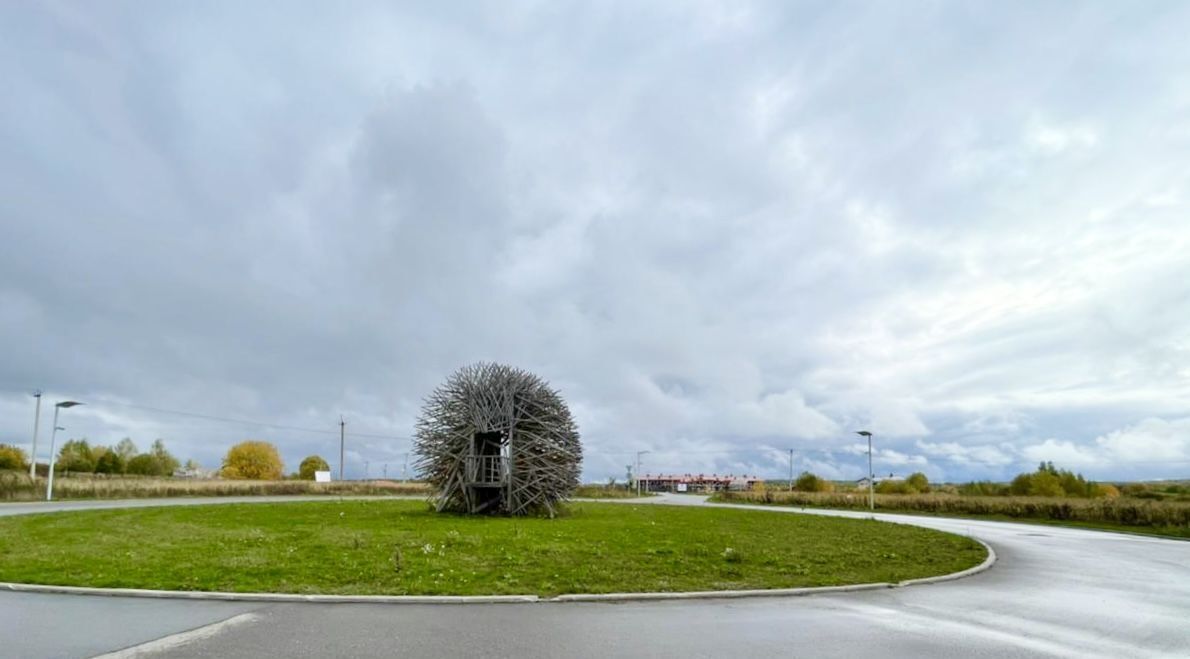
{"type": "Point", "coordinates": [403, 548]}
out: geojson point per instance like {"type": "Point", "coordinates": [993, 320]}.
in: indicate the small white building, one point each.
{"type": "Point", "coordinates": [863, 482]}
{"type": "Point", "coordinates": [194, 472]}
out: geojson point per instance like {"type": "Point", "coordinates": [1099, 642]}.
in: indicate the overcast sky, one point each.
{"type": "Point", "coordinates": [721, 230]}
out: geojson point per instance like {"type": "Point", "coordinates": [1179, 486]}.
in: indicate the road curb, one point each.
{"type": "Point", "coordinates": [717, 594]}
{"type": "Point", "coordinates": [971, 571]}
{"type": "Point", "coordinates": [271, 597]}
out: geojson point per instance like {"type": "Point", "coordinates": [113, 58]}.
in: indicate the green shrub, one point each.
{"type": "Point", "coordinates": [167, 464]}
{"type": "Point", "coordinates": [75, 455]}
{"type": "Point", "coordinates": [1104, 490]}
{"type": "Point", "coordinates": [1045, 484]}
{"type": "Point", "coordinates": [109, 463]}
{"type": "Point", "coordinates": [917, 483]}
{"type": "Point", "coordinates": [1022, 485]}
{"type": "Point", "coordinates": [983, 488]}
{"type": "Point", "coordinates": [310, 465]}
{"type": "Point", "coordinates": [145, 465]}
{"type": "Point", "coordinates": [157, 462]}
{"type": "Point", "coordinates": [808, 482]}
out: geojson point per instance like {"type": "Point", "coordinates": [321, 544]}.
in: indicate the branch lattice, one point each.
{"type": "Point", "coordinates": [497, 439]}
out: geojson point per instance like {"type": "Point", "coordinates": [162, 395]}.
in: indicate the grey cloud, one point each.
{"type": "Point", "coordinates": [722, 230]}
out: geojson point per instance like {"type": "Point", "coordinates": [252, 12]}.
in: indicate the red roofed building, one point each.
{"type": "Point", "coordinates": [696, 482]}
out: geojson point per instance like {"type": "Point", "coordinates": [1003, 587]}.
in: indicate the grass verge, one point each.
{"type": "Point", "coordinates": [402, 548]}
{"type": "Point", "coordinates": [1157, 518]}
{"type": "Point", "coordinates": [606, 492]}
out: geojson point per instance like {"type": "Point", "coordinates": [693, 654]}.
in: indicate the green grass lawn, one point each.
{"type": "Point", "coordinates": [401, 547]}
{"type": "Point", "coordinates": [605, 492]}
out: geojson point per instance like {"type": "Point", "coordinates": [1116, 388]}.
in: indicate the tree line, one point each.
{"type": "Point", "coordinates": [248, 460]}
{"type": "Point", "coordinates": [1046, 481]}
{"type": "Point", "coordinates": [81, 457]}
{"type": "Point", "coordinates": [916, 483]}
{"type": "Point", "coordinates": [256, 460]}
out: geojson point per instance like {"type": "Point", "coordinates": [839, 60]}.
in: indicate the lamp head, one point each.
{"type": "Point", "coordinates": [68, 403]}
{"type": "Point", "coordinates": [865, 433]}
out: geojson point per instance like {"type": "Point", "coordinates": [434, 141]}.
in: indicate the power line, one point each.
{"type": "Point", "coordinates": [263, 424]}
{"type": "Point", "coordinates": [840, 452]}
{"type": "Point", "coordinates": [660, 451]}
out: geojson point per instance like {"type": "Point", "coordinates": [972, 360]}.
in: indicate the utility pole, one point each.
{"type": "Point", "coordinates": [790, 470]}
{"type": "Point", "coordinates": [386, 471]}
{"type": "Point", "coordinates": [637, 472]}
{"type": "Point", "coordinates": [33, 449]}
{"type": "Point", "coordinates": [342, 432]}
{"type": "Point", "coordinates": [366, 463]}
{"type": "Point", "coordinates": [405, 468]}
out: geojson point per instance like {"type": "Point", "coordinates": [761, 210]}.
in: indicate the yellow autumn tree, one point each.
{"type": "Point", "coordinates": [253, 460]}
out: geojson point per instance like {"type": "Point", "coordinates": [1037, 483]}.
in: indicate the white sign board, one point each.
{"type": "Point", "coordinates": [681, 487]}
{"type": "Point", "coordinates": [322, 477]}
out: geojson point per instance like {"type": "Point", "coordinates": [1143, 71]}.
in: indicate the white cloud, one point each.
{"type": "Point", "coordinates": [1152, 443]}
{"type": "Point", "coordinates": [897, 418]}
{"type": "Point", "coordinates": [977, 456]}
{"type": "Point", "coordinates": [1054, 139]}
{"type": "Point", "coordinates": [1062, 452]}
{"type": "Point", "coordinates": [889, 457]}
{"type": "Point", "coordinates": [784, 414]}
{"type": "Point", "coordinates": [1151, 440]}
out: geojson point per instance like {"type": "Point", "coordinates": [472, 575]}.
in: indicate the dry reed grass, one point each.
{"type": "Point", "coordinates": [17, 486]}
{"type": "Point", "coordinates": [1125, 511]}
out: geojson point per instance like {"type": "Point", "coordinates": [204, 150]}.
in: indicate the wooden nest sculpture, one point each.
{"type": "Point", "coordinates": [497, 440]}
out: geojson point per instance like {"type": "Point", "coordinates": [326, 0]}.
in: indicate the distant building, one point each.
{"type": "Point", "coordinates": [697, 482]}
{"type": "Point", "coordinates": [863, 482]}
{"type": "Point", "coordinates": [194, 472]}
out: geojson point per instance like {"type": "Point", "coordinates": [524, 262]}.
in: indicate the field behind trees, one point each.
{"type": "Point", "coordinates": [17, 486]}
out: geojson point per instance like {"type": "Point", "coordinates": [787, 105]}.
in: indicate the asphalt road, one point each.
{"type": "Point", "coordinates": [1054, 592]}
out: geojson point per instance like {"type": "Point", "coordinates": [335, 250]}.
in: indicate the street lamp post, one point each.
{"type": "Point", "coordinates": [33, 449]}
{"type": "Point", "coordinates": [871, 476]}
{"type": "Point", "coordinates": [636, 474]}
{"type": "Point", "coordinates": [49, 487]}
